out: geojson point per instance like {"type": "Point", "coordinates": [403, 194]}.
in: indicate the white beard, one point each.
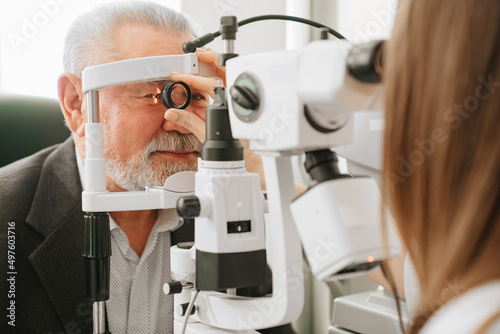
{"type": "Point", "coordinates": [143, 169]}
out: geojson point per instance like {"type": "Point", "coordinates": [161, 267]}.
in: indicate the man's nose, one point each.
{"type": "Point", "coordinates": [171, 126]}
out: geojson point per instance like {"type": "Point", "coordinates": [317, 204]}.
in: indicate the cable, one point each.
{"type": "Point", "coordinates": [188, 311]}
{"type": "Point", "coordinates": [289, 18]}
{"type": "Point", "coordinates": [190, 46]}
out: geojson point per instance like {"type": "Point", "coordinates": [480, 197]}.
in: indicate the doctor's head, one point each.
{"type": "Point", "coordinates": [140, 146]}
{"type": "Point", "coordinates": [442, 142]}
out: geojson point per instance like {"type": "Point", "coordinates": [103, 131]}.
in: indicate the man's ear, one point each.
{"type": "Point", "coordinates": [71, 102]}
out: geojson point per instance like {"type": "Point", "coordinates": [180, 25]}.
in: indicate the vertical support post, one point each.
{"type": "Point", "coordinates": [97, 239]}
{"type": "Point", "coordinates": [95, 170]}
{"type": "Point", "coordinates": [98, 317]}
{"type": "Point", "coordinates": [283, 241]}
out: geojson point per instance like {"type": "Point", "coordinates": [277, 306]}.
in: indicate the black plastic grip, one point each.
{"type": "Point", "coordinates": [96, 254]}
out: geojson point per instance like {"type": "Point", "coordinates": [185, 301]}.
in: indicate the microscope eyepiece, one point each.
{"type": "Point", "coordinates": [364, 61]}
{"type": "Point", "coordinates": [322, 165]}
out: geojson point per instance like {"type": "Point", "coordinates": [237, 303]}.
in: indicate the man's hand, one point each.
{"type": "Point", "coordinates": [193, 118]}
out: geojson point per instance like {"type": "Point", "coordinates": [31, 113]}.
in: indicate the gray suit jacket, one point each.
{"type": "Point", "coordinates": [41, 196]}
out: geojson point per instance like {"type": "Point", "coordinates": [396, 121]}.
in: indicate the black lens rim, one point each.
{"type": "Point", "coordinates": [166, 95]}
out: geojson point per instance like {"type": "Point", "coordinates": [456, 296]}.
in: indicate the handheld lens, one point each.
{"type": "Point", "coordinates": [176, 94]}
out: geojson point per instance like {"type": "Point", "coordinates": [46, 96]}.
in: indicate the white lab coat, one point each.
{"type": "Point", "coordinates": [462, 315]}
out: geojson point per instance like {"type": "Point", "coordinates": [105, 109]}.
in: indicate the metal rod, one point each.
{"type": "Point", "coordinates": [99, 317]}
{"type": "Point", "coordinates": [229, 46]}
{"type": "Point", "coordinates": [93, 106]}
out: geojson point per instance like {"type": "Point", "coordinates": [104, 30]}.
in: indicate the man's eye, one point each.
{"type": "Point", "coordinates": [155, 97]}
{"type": "Point", "coordinates": [198, 97]}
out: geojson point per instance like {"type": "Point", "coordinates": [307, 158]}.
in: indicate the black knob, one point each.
{"type": "Point", "coordinates": [189, 47]}
{"type": "Point", "coordinates": [188, 207]}
{"type": "Point", "coordinates": [171, 288]}
{"type": "Point", "coordinates": [244, 97]}
{"type": "Point", "coordinates": [228, 27]}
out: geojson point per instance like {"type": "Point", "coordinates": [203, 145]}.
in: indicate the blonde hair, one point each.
{"type": "Point", "coordinates": [442, 144]}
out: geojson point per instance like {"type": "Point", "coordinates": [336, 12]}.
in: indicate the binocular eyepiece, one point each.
{"type": "Point", "coordinates": [175, 94]}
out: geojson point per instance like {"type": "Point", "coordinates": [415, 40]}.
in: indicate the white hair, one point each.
{"type": "Point", "coordinates": [90, 38]}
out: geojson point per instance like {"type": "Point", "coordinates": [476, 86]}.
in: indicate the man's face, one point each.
{"type": "Point", "coordinates": [140, 147]}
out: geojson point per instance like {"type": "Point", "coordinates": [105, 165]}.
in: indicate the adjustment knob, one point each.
{"type": "Point", "coordinates": [188, 207]}
{"type": "Point", "coordinates": [245, 97]}
{"type": "Point", "coordinates": [189, 47]}
{"type": "Point", "coordinates": [172, 288]}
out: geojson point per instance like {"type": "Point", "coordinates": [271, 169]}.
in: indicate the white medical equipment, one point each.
{"type": "Point", "coordinates": [285, 103]}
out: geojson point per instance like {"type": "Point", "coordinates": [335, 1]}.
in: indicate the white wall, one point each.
{"type": "Point", "coordinates": [252, 38]}
{"type": "Point", "coordinates": [357, 20]}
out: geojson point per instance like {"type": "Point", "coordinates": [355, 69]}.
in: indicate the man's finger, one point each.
{"type": "Point", "coordinates": [197, 82]}
{"type": "Point", "coordinates": [210, 57]}
{"type": "Point", "coordinates": [187, 120]}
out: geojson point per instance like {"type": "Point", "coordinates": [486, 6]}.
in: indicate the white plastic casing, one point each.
{"type": "Point", "coordinates": [281, 124]}
{"type": "Point", "coordinates": [182, 264]}
{"type": "Point", "coordinates": [339, 222]}
{"type": "Point", "coordinates": [142, 69]}
{"type": "Point", "coordinates": [284, 256]}
{"type": "Point", "coordinates": [288, 81]}
{"type": "Point", "coordinates": [183, 269]}
{"type": "Point", "coordinates": [177, 185]}
{"type": "Point", "coordinates": [325, 81]}
{"type": "Point", "coordinates": [232, 195]}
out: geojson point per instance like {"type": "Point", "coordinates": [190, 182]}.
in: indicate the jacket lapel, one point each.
{"type": "Point", "coordinates": [56, 214]}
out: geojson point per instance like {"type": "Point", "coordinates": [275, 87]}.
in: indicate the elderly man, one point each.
{"type": "Point", "coordinates": [143, 144]}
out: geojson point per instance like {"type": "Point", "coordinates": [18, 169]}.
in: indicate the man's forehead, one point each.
{"type": "Point", "coordinates": [152, 83]}
{"type": "Point", "coordinates": [134, 41]}
{"type": "Point", "coordinates": [146, 85]}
